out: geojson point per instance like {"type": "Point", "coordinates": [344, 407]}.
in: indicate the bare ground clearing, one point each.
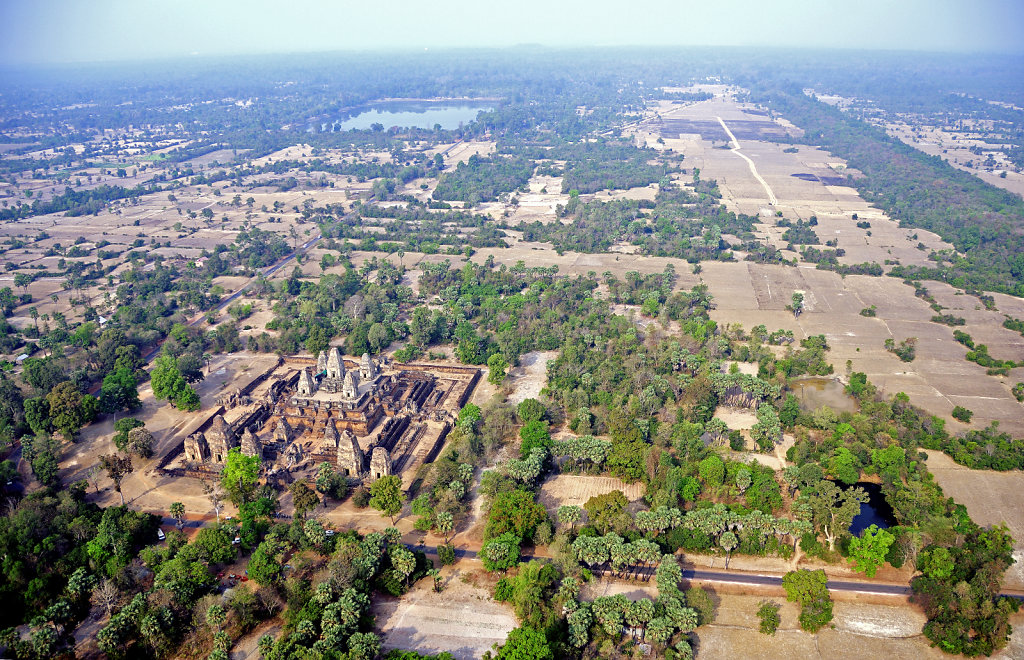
{"type": "Point", "coordinates": [462, 620]}
{"type": "Point", "coordinates": [530, 377]}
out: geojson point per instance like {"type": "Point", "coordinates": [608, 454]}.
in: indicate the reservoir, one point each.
{"type": "Point", "coordinates": [412, 114]}
{"type": "Point", "coordinates": [815, 392]}
{"type": "Point", "coordinates": [876, 511]}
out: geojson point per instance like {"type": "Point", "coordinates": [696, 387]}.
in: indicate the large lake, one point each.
{"type": "Point", "coordinates": [418, 115]}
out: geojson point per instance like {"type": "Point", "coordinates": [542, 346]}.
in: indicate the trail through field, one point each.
{"type": "Point", "coordinates": [753, 170]}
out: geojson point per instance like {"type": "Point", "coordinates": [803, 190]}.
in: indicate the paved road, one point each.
{"type": "Point", "coordinates": [724, 577]}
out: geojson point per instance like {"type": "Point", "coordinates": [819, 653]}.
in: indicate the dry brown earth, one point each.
{"type": "Point", "coordinates": [462, 620]}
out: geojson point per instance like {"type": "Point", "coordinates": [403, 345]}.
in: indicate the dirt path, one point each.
{"type": "Point", "coordinates": [753, 170]}
{"type": "Point", "coordinates": [248, 646]}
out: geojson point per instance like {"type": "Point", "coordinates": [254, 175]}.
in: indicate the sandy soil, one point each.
{"type": "Point", "coordinates": [530, 376]}
{"type": "Point", "coordinates": [462, 619]}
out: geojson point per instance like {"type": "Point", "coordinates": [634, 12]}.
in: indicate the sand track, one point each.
{"type": "Point", "coordinates": [753, 168]}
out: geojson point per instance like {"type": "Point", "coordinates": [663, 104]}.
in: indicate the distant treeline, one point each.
{"type": "Point", "coordinates": [76, 202]}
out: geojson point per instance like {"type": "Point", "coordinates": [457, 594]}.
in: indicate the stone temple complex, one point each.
{"type": "Point", "coordinates": [368, 418]}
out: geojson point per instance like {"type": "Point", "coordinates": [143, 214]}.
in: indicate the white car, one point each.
{"type": "Point", "coordinates": [160, 534]}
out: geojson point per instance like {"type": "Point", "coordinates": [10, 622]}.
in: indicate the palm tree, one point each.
{"type": "Point", "coordinates": [728, 541]}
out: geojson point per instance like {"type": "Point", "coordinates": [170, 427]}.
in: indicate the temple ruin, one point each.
{"type": "Point", "coordinates": [368, 418]}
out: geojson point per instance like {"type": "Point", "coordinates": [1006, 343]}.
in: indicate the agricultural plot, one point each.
{"type": "Point", "coordinates": [807, 182]}
{"type": "Point", "coordinates": [991, 498]}
{"type": "Point", "coordinates": [570, 489]}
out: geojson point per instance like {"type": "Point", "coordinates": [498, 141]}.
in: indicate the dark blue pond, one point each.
{"type": "Point", "coordinates": [876, 511]}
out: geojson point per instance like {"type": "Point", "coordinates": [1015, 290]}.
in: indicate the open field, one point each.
{"type": "Point", "coordinates": [530, 376]}
{"type": "Point", "coordinates": [462, 620]}
{"type": "Point", "coordinates": [859, 630]}
{"type": "Point", "coordinates": [991, 498]}
{"type": "Point", "coordinates": [808, 182]}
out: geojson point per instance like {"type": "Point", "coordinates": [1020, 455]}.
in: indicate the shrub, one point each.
{"type": "Point", "coordinates": [963, 414]}
{"type": "Point", "coordinates": [446, 554]}
{"type": "Point", "coordinates": [699, 599]}
{"type": "Point", "coordinates": [769, 616]}
{"type": "Point", "coordinates": [361, 497]}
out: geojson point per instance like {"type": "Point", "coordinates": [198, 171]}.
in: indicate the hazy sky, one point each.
{"type": "Point", "coordinates": [46, 31]}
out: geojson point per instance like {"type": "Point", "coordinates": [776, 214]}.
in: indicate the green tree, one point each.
{"type": "Point", "coordinates": [808, 588]}
{"type": "Point", "coordinates": [122, 427]}
{"type": "Point", "coordinates": [403, 561]}
{"type": "Point", "coordinates": [213, 544]}
{"type": "Point", "coordinates": [845, 466]}
{"type": "Point", "coordinates": [164, 378]}
{"type": "Point", "coordinates": [45, 465]}
{"type": "Point", "coordinates": [868, 551]}
{"type": "Point", "coordinates": [70, 410]}
{"type": "Point", "coordinates": [304, 498]}
{"type": "Point", "coordinates": [497, 365]}
{"type": "Point", "coordinates": [240, 476]}
{"type": "Point", "coordinates": [178, 513]}
{"type": "Point", "coordinates": [768, 429]}
{"type": "Point", "coordinates": [796, 303]}
{"type": "Point", "coordinates": [533, 434]}
{"type": "Point", "coordinates": [170, 385]}
{"type": "Point", "coordinates": [119, 391]}
{"type": "Point", "coordinates": [525, 643]}
{"type": "Point", "coordinates": [37, 415]}
{"type": "Point", "coordinates": [728, 541]}
{"type": "Point", "coordinates": [265, 566]}
{"type": "Point", "coordinates": [184, 577]}
{"type": "Point", "coordinates": [962, 414]}
{"type": "Point", "coordinates": [514, 511]}
{"type": "Point", "coordinates": [743, 479]}
{"type": "Point", "coordinates": [501, 553]}
{"type": "Point", "coordinates": [530, 410]}
{"type": "Point", "coordinates": [607, 511]}
{"type": "Point", "coordinates": [444, 523]}
{"type": "Point", "coordinates": [569, 514]}
{"type": "Point", "coordinates": [712, 470]}
{"type": "Point", "coordinates": [938, 563]}
{"type": "Point", "coordinates": [386, 496]}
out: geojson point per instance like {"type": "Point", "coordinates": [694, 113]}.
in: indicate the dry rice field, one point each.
{"type": "Point", "coordinates": [566, 489]}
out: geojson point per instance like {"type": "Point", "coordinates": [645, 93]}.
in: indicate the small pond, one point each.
{"type": "Point", "coordinates": [414, 114]}
{"type": "Point", "coordinates": [876, 511]}
{"type": "Point", "coordinates": [816, 392]}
